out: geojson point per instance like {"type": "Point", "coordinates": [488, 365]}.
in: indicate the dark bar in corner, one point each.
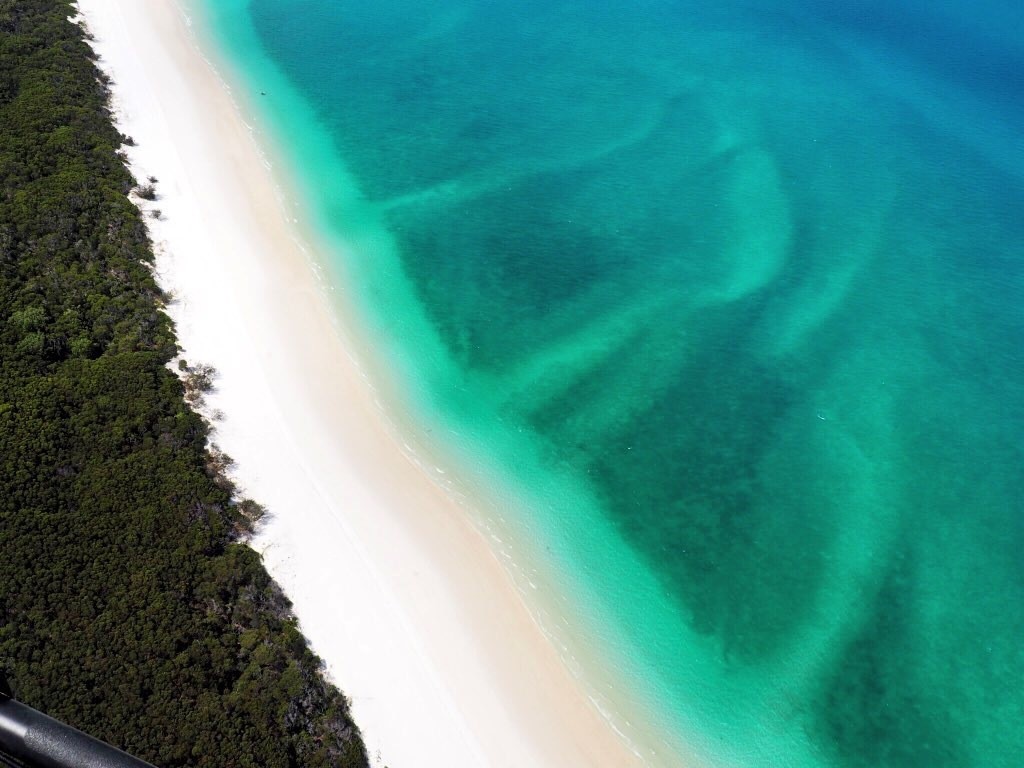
{"type": "Point", "coordinates": [31, 739]}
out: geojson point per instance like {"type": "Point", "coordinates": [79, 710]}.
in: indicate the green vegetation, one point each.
{"type": "Point", "coordinates": [128, 605]}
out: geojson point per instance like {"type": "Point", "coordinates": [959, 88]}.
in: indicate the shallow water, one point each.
{"type": "Point", "coordinates": [734, 294]}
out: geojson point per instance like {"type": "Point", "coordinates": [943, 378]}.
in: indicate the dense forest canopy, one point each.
{"type": "Point", "coordinates": [129, 607]}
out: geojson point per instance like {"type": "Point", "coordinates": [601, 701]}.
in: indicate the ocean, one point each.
{"type": "Point", "coordinates": [717, 309]}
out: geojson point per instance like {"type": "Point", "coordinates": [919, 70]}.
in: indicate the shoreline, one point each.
{"type": "Point", "coordinates": [395, 588]}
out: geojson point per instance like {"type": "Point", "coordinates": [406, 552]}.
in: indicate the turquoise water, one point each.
{"type": "Point", "coordinates": [732, 294]}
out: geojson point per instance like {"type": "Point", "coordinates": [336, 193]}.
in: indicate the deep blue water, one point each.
{"type": "Point", "coordinates": [748, 280]}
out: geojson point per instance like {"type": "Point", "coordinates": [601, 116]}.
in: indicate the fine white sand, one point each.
{"type": "Point", "coordinates": [395, 588]}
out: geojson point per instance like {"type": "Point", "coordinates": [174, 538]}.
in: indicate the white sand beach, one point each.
{"type": "Point", "coordinates": [399, 593]}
